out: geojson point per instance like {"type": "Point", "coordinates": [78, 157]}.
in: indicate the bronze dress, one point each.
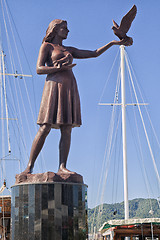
{"type": "Point", "coordinates": [60, 104]}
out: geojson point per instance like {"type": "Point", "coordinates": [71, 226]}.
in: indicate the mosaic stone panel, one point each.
{"type": "Point", "coordinates": [49, 211]}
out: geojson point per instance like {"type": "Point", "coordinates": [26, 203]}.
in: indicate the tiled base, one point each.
{"type": "Point", "coordinates": [49, 211]}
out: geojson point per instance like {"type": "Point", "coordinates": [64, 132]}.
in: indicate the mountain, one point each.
{"type": "Point", "coordinates": [138, 208]}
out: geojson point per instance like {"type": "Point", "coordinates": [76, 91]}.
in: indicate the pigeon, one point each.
{"type": "Point", "coordinates": [120, 31]}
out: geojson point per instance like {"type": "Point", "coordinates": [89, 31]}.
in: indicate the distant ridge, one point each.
{"type": "Point", "coordinates": [138, 208]}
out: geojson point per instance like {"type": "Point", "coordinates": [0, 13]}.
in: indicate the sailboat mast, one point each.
{"type": "Point", "coordinates": [123, 104]}
{"type": "Point", "coordinates": [5, 97]}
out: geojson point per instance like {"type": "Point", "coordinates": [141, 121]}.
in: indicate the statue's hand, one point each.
{"type": "Point", "coordinates": [67, 67]}
{"type": "Point", "coordinates": [67, 60]}
{"type": "Point", "coordinates": [126, 42]}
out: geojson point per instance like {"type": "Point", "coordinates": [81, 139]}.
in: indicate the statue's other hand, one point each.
{"type": "Point", "coordinates": [67, 67]}
{"type": "Point", "coordinates": [57, 64]}
{"type": "Point", "coordinates": [67, 60]}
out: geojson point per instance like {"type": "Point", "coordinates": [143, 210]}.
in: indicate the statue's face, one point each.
{"type": "Point", "coordinates": [63, 31]}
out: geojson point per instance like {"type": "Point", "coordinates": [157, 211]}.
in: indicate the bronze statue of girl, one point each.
{"type": "Point", "coordinates": [60, 104]}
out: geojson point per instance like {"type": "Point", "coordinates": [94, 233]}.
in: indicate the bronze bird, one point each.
{"type": "Point", "coordinates": [120, 31]}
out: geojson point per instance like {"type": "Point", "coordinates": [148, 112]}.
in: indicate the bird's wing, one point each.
{"type": "Point", "coordinates": [115, 24]}
{"type": "Point", "coordinates": [127, 19]}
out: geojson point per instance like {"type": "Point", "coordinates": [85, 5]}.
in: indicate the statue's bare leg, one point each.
{"type": "Point", "coordinates": [64, 147]}
{"type": "Point", "coordinates": [37, 146]}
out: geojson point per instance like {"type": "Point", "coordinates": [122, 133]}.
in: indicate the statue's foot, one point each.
{"type": "Point", "coordinates": [27, 171]}
{"type": "Point", "coordinates": [65, 170]}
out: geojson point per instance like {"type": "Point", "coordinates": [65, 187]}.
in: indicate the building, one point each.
{"type": "Point", "coordinates": [5, 215]}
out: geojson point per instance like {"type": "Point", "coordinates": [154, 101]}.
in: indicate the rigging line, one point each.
{"type": "Point", "coordinates": [17, 125]}
{"type": "Point", "coordinates": [2, 114]}
{"type": "Point", "coordinates": [115, 158]}
{"type": "Point", "coordinates": [118, 167]}
{"type": "Point", "coordinates": [93, 164]}
{"type": "Point", "coordinates": [144, 127]}
{"type": "Point", "coordinates": [0, 36]}
{"type": "Point", "coordinates": [143, 102]}
{"type": "Point", "coordinates": [9, 45]}
{"type": "Point", "coordinates": [1, 166]}
{"type": "Point", "coordinates": [18, 58]}
{"type": "Point", "coordinates": [103, 164]}
{"type": "Point", "coordinates": [5, 156]}
{"type": "Point", "coordinates": [2, 124]}
{"type": "Point", "coordinates": [115, 99]}
{"type": "Point", "coordinates": [108, 77]}
{"type": "Point", "coordinates": [145, 107]}
{"type": "Point", "coordinates": [152, 127]}
{"type": "Point", "coordinates": [27, 122]}
{"type": "Point", "coordinates": [116, 189]}
{"type": "Point", "coordinates": [33, 117]}
{"type": "Point", "coordinates": [11, 56]}
{"type": "Point", "coordinates": [155, 167]}
{"type": "Point", "coordinates": [14, 112]}
{"type": "Point", "coordinates": [20, 117]}
{"type": "Point", "coordinates": [108, 161]}
{"type": "Point", "coordinates": [110, 155]}
{"type": "Point", "coordinates": [7, 35]}
{"type": "Point", "coordinates": [120, 138]}
{"type": "Point", "coordinates": [143, 168]}
{"type": "Point", "coordinates": [19, 131]}
{"type": "Point", "coordinates": [137, 83]}
{"type": "Point", "coordinates": [7, 8]}
{"type": "Point", "coordinates": [112, 122]}
{"type": "Point", "coordinates": [117, 91]}
{"type": "Point", "coordinates": [16, 90]}
{"type": "Point", "coordinates": [21, 70]}
{"type": "Point", "coordinates": [18, 144]}
{"type": "Point", "coordinates": [110, 133]}
{"type": "Point", "coordinates": [13, 101]}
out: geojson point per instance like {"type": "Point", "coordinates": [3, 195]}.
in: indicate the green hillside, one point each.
{"type": "Point", "coordinates": [138, 208]}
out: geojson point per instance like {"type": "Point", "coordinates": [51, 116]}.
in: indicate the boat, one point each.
{"type": "Point", "coordinates": [146, 228]}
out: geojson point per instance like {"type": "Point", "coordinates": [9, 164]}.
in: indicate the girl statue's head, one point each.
{"type": "Point", "coordinates": [52, 29]}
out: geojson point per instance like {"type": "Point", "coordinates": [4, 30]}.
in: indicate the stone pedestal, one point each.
{"type": "Point", "coordinates": [49, 211]}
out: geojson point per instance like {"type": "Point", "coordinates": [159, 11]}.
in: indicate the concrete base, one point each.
{"type": "Point", "coordinates": [48, 211]}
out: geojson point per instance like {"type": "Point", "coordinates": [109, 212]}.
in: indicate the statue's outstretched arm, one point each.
{"type": "Point", "coordinates": [78, 53]}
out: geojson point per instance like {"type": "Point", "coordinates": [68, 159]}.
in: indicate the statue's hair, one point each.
{"type": "Point", "coordinates": [51, 30]}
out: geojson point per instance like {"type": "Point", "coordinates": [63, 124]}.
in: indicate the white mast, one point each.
{"type": "Point", "coordinates": [123, 104]}
{"type": "Point", "coordinates": [6, 105]}
{"type": "Point", "coordinates": [3, 73]}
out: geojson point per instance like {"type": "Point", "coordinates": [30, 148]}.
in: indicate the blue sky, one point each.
{"type": "Point", "coordinates": [90, 24]}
